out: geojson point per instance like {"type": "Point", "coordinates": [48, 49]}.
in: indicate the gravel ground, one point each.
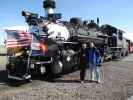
{"type": "Point", "coordinates": [117, 84]}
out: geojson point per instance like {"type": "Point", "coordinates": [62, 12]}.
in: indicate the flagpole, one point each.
{"type": "Point", "coordinates": [30, 51]}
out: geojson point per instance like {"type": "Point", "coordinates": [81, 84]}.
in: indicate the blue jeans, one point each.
{"type": "Point", "coordinates": [94, 70]}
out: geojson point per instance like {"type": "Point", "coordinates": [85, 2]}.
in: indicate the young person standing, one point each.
{"type": "Point", "coordinates": [83, 61]}
{"type": "Point", "coordinates": [93, 60]}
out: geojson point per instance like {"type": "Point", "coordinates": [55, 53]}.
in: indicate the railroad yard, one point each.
{"type": "Point", "coordinates": [43, 55]}
{"type": "Point", "coordinates": [117, 84]}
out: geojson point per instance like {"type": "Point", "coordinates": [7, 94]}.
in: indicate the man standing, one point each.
{"type": "Point", "coordinates": [83, 61]}
{"type": "Point", "coordinates": [93, 59]}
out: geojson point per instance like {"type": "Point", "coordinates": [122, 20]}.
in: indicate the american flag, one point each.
{"type": "Point", "coordinates": [17, 38]}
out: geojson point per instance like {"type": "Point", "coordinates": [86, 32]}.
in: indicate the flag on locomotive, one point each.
{"type": "Point", "coordinates": [20, 39]}
{"type": "Point", "coordinates": [20, 46]}
{"type": "Point", "coordinates": [17, 38]}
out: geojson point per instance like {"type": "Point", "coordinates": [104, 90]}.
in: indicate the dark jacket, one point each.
{"type": "Point", "coordinates": [93, 56]}
{"type": "Point", "coordinates": [83, 57]}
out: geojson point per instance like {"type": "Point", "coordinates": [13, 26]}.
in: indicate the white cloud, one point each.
{"type": "Point", "coordinates": [129, 36]}
{"type": "Point", "coordinates": [23, 28]}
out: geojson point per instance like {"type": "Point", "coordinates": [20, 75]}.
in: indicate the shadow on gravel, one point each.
{"type": "Point", "coordinates": [5, 81]}
{"type": "Point", "coordinates": [46, 77]}
{"type": "Point", "coordinates": [66, 81]}
{"type": "Point", "coordinates": [16, 83]}
{"type": "Point", "coordinates": [72, 81]}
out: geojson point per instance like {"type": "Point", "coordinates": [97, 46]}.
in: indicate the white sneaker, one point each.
{"type": "Point", "coordinates": [82, 82]}
{"type": "Point", "coordinates": [99, 81]}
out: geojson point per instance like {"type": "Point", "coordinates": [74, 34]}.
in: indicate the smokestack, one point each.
{"type": "Point", "coordinates": [49, 6]}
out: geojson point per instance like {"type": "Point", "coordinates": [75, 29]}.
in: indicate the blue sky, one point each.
{"type": "Point", "coordinates": [114, 12]}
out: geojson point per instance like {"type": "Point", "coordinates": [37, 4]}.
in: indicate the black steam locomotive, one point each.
{"type": "Point", "coordinates": [61, 42]}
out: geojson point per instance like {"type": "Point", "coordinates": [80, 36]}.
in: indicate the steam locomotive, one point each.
{"type": "Point", "coordinates": [55, 44]}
